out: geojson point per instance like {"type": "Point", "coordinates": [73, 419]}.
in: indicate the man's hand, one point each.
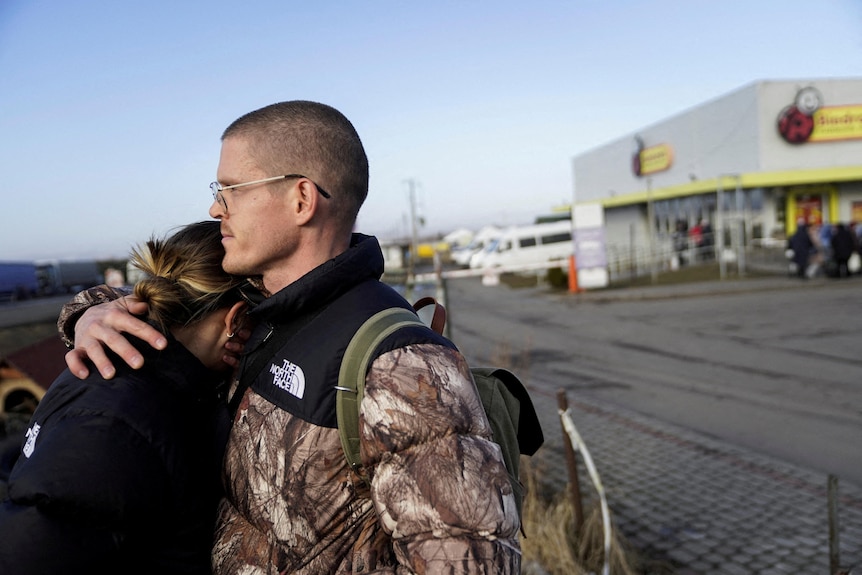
{"type": "Point", "coordinates": [103, 326]}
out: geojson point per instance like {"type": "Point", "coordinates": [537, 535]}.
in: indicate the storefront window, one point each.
{"type": "Point", "coordinates": [754, 199]}
{"type": "Point", "coordinates": [780, 211]}
{"type": "Point", "coordinates": [810, 209]}
{"type": "Point", "coordinates": [727, 200]}
{"type": "Point", "coordinates": [685, 213]}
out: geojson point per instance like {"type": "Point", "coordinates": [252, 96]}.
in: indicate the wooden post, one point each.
{"type": "Point", "coordinates": [832, 497]}
{"type": "Point", "coordinates": [572, 464]}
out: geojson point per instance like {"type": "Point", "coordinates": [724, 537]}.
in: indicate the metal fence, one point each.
{"type": "Point", "coordinates": [733, 255]}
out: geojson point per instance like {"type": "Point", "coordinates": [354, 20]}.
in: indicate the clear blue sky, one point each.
{"type": "Point", "coordinates": [111, 112]}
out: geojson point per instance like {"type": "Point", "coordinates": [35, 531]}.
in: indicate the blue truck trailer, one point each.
{"type": "Point", "coordinates": [24, 280]}
{"type": "Point", "coordinates": [18, 280]}
{"type": "Point", "coordinates": [67, 276]}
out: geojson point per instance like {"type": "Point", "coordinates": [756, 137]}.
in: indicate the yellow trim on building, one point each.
{"type": "Point", "coordinates": [753, 180]}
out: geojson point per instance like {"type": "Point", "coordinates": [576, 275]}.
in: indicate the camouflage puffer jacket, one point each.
{"type": "Point", "coordinates": [439, 500]}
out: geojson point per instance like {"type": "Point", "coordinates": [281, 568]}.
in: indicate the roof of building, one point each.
{"type": "Point", "coordinates": [41, 362]}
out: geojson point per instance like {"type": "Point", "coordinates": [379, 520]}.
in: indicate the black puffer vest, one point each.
{"type": "Point", "coordinates": [294, 356]}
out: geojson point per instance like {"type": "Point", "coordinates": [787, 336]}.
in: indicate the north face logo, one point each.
{"type": "Point", "coordinates": [289, 377]}
{"type": "Point", "coordinates": [30, 444]}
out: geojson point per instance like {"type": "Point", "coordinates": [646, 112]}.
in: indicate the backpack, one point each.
{"type": "Point", "coordinates": [514, 423]}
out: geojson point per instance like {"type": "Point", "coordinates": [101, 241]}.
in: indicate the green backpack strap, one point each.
{"type": "Point", "coordinates": [351, 376]}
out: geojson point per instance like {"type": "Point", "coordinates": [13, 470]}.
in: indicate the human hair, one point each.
{"type": "Point", "coordinates": [184, 278]}
{"type": "Point", "coordinates": [311, 139]}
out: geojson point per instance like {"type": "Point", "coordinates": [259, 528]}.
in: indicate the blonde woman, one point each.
{"type": "Point", "coordinates": [122, 475]}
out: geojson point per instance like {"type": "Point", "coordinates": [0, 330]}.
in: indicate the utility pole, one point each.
{"type": "Point", "coordinates": [411, 268]}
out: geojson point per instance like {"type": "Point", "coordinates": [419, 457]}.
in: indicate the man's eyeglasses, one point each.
{"type": "Point", "coordinates": [218, 189]}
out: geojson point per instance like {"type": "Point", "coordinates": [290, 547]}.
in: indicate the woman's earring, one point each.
{"type": "Point", "coordinates": [230, 334]}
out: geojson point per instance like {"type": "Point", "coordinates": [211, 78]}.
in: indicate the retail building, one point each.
{"type": "Point", "coordinates": [750, 164]}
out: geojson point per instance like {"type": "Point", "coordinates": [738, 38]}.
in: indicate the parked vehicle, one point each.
{"type": "Point", "coordinates": [524, 245]}
{"type": "Point", "coordinates": [24, 280]}
{"type": "Point", "coordinates": [18, 281]}
{"type": "Point", "coordinates": [67, 276]}
{"type": "Point", "coordinates": [463, 256]}
{"type": "Point", "coordinates": [477, 258]}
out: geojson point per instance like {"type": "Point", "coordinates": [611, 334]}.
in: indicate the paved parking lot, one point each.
{"type": "Point", "coordinates": [714, 413]}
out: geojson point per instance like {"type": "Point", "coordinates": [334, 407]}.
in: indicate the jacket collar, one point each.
{"type": "Point", "coordinates": [177, 367]}
{"type": "Point", "coordinates": [362, 261]}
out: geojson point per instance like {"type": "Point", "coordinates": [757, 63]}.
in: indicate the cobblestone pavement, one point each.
{"type": "Point", "coordinates": [691, 502]}
{"type": "Point", "coordinates": [702, 505]}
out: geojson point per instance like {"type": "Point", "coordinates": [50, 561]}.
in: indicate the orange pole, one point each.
{"type": "Point", "coordinates": [573, 275]}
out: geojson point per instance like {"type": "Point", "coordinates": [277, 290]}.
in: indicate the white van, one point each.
{"type": "Point", "coordinates": [483, 237]}
{"type": "Point", "coordinates": [530, 245]}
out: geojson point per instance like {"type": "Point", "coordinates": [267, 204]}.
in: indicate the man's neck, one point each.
{"type": "Point", "coordinates": [301, 263]}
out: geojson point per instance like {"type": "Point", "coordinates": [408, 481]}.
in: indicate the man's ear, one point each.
{"type": "Point", "coordinates": [234, 318]}
{"type": "Point", "coordinates": [306, 201]}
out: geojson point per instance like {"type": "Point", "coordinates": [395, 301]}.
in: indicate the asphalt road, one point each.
{"type": "Point", "coordinates": [777, 370]}
{"type": "Point", "coordinates": [31, 311]}
{"type": "Point", "coordinates": [25, 323]}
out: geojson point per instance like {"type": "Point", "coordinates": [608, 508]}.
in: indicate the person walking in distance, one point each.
{"type": "Point", "coordinates": [843, 246]}
{"type": "Point", "coordinates": [802, 245]}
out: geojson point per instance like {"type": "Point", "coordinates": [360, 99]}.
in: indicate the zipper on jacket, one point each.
{"type": "Point", "coordinates": [245, 378]}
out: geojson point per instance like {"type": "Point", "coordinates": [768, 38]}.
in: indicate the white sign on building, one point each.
{"type": "Point", "coordinates": [588, 234]}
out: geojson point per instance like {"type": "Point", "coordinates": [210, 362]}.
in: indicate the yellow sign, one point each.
{"type": "Point", "coordinates": [837, 123]}
{"type": "Point", "coordinates": [655, 159]}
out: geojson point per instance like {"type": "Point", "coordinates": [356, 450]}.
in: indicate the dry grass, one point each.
{"type": "Point", "coordinates": [552, 546]}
